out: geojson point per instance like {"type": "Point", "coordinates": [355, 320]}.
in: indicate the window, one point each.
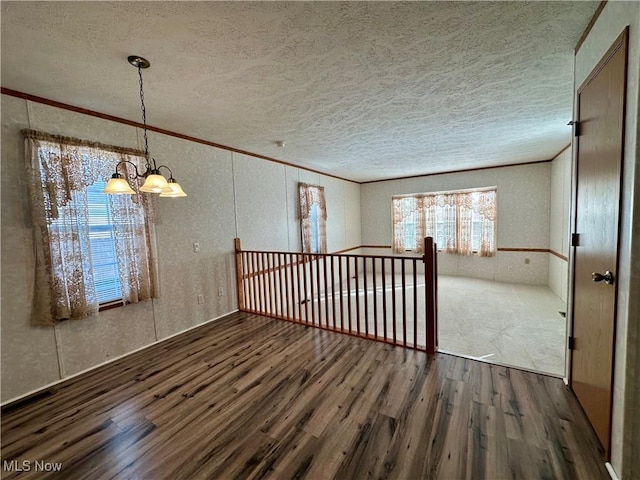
{"type": "Point", "coordinates": [461, 222]}
{"type": "Point", "coordinates": [103, 245]}
{"type": "Point", "coordinates": [91, 248]}
{"type": "Point", "coordinates": [101, 241]}
{"type": "Point", "coordinates": [313, 218]}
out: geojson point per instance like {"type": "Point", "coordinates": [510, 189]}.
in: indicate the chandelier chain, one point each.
{"type": "Point", "coordinates": [154, 180]}
{"type": "Point", "coordinates": [144, 116]}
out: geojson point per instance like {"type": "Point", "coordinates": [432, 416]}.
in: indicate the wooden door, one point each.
{"type": "Point", "coordinates": [600, 140]}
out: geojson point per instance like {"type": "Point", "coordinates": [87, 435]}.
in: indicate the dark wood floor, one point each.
{"type": "Point", "coordinates": [249, 397]}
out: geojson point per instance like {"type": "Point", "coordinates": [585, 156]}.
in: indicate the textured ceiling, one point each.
{"type": "Point", "coordinates": [362, 90]}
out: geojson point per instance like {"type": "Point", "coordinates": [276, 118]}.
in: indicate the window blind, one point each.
{"type": "Point", "coordinates": [103, 251]}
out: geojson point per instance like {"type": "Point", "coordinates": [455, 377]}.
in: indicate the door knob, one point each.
{"type": "Point", "coordinates": [607, 277]}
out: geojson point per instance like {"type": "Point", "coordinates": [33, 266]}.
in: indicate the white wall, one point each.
{"type": "Point", "coordinates": [625, 447]}
{"type": "Point", "coordinates": [229, 195]}
{"type": "Point", "coordinates": [560, 205]}
{"type": "Point", "coordinates": [523, 219]}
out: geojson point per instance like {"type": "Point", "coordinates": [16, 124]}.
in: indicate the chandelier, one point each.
{"type": "Point", "coordinates": [154, 181]}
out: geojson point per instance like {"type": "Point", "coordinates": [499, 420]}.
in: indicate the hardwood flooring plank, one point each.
{"type": "Point", "coordinates": [246, 397]}
{"type": "Point", "coordinates": [291, 457]}
{"type": "Point", "coordinates": [488, 456]}
{"type": "Point", "coordinates": [366, 457]}
{"type": "Point", "coordinates": [455, 448]}
{"type": "Point", "coordinates": [527, 462]}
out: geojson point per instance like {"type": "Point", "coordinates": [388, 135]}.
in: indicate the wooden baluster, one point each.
{"type": "Point", "coordinates": [292, 286]}
{"type": "Point", "coordinates": [246, 259]}
{"type": "Point", "coordinates": [269, 277]}
{"type": "Point", "coordinates": [246, 286]}
{"type": "Point", "coordinates": [341, 294]}
{"type": "Point", "coordinates": [375, 297]}
{"type": "Point", "coordinates": [281, 293]}
{"type": "Point", "coordinates": [260, 272]}
{"type": "Point", "coordinates": [349, 290]}
{"type": "Point", "coordinates": [304, 287]}
{"type": "Point", "coordinates": [264, 267]}
{"type": "Point", "coordinates": [415, 304]}
{"type": "Point", "coordinates": [264, 299]}
{"type": "Point", "coordinates": [271, 257]}
{"type": "Point", "coordinates": [274, 284]}
{"type": "Point", "coordinates": [393, 298]}
{"type": "Point", "coordinates": [287, 286]}
{"type": "Point", "coordinates": [333, 289]}
{"type": "Point", "coordinates": [326, 291]}
{"type": "Point", "coordinates": [318, 284]}
{"type": "Point", "coordinates": [404, 304]}
{"type": "Point", "coordinates": [260, 282]}
{"type": "Point", "coordinates": [299, 287]}
{"type": "Point", "coordinates": [285, 280]}
{"type": "Point", "coordinates": [252, 272]}
{"type": "Point", "coordinates": [254, 281]}
{"type": "Point", "coordinates": [355, 267]}
{"type": "Point", "coordinates": [313, 290]}
{"type": "Point", "coordinates": [384, 298]}
{"type": "Point", "coordinates": [366, 297]}
{"type": "Point", "coordinates": [260, 279]}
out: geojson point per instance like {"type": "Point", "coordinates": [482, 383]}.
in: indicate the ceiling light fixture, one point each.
{"type": "Point", "coordinates": [154, 181]}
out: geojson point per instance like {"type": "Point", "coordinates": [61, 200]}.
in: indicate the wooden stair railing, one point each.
{"type": "Point", "coordinates": [370, 296]}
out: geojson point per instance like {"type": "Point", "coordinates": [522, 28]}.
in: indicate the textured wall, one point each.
{"type": "Point", "coordinates": [559, 222]}
{"type": "Point", "coordinates": [625, 446]}
{"type": "Point", "coordinates": [229, 195]}
{"type": "Point", "coordinates": [523, 219]}
{"type": "Point", "coordinates": [29, 355]}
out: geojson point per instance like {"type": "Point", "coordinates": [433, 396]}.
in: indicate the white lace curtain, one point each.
{"type": "Point", "coordinates": [408, 224]}
{"type": "Point", "coordinates": [59, 169]}
{"type": "Point", "coordinates": [310, 196]}
{"type": "Point", "coordinates": [460, 222]}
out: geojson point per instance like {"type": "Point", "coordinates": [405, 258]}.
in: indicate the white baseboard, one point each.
{"type": "Point", "coordinates": [611, 471]}
{"type": "Point", "coordinates": [49, 385]}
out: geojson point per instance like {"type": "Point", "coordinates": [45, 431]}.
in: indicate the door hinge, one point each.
{"type": "Point", "coordinates": [575, 239]}
{"type": "Point", "coordinates": [576, 127]}
{"type": "Point", "coordinates": [571, 343]}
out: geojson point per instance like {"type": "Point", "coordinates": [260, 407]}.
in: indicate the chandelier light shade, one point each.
{"type": "Point", "coordinates": [118, 186]}
{"type": "Point", "coordinates": [172, 190]}
{"type": "Point", "coordinates": [154, 181]}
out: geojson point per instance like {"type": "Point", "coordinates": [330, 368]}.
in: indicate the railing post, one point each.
{"type": "Point", "coordinates": [430, 273]}
{"type": "Point", "coordinates": [436, 342]}
{"type": "Point", "coordinates": [239, 275]}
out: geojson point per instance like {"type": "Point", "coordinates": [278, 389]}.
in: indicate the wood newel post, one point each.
{"type": "Point", "coordinates": [430, 293]}
{"type": "Point", "coordinates": [239, 275]}
{"type": "Point", "coordinates": [435, 297]}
